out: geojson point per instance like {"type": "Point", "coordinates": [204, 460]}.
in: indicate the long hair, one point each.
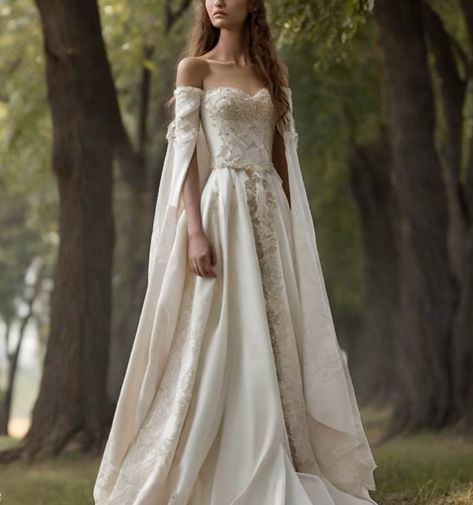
{"type": "Point", "coordinates": [262, 51]}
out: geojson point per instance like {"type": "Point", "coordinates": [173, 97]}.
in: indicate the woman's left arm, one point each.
{"type": "Point", "coordinates": [280, 162]}
{"type": "Point", "coordinates": [279, 148]}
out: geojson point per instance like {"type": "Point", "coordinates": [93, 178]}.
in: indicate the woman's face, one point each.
{"type": "Point", "coordinates": [227, 13]}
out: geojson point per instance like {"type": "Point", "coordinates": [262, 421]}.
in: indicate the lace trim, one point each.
{"type": "Point", "coordinates": [184, 128]}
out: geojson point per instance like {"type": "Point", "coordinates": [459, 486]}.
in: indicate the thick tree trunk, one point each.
{"type": "Point", "coordinates": [451, 97]}
{"type": "Point", "coordinates": [372, 189]}
{"type": "Point", "coordinates": [72, 404]}
{"type": "Point", "coordinates": [427, 301]}
{"type": "Point", "coordinates": [130, 279]}
{"type": "Point", "coordinates": [462, 361]}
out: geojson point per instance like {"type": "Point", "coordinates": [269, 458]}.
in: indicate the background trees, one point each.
{"type": "Point", "coordinates": [383, 106]}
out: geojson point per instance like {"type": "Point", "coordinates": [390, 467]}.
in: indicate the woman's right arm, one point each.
{"type": "Point", "coordinates": [201, 254]}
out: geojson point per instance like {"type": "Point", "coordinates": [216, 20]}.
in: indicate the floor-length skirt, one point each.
{"type": "Point", "coordinates": [227, 423]}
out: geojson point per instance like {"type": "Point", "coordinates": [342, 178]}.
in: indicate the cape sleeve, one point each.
{"type": "Point", "coordinates": [182, 136]}
{"type": "Point", "coordinates": [148, 357]}
{"type": "Point", "coordinates": [337, 434]}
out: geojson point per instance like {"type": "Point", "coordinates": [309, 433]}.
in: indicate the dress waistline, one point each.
{"type": "Point", "coordinates": [242, 164]}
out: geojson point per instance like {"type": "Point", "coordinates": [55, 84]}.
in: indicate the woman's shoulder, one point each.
{"type": "Point", "coordinates": [190, 71]}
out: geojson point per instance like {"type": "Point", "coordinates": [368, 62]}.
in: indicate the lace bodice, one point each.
{"type": "Point", "coordinates": [239, 127]}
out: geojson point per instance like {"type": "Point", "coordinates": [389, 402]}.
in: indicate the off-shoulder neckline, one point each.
{"type": "Point", "coordinates": [236, 88]}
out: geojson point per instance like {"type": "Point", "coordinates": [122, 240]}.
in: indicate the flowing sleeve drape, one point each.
{"type": "Point", "coordinates": [184, 135]}
{"type": "Point", "coordinates": [337, 435]}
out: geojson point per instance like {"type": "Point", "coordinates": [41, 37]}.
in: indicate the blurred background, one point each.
{"type": "Point", "coordinates": [383, 104]}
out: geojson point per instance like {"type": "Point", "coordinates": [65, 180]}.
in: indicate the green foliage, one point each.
{"type": "Point", "coordinates": [336, 105]}
{"type": "Point", "coordinates": [327, 25]}
{"type": "Point", "coordinates": [25, 126]}
{"type": "Point", "coordinates": [28, 198]}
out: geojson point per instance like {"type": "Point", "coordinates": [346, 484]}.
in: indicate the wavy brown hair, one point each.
{"type": "Point", "coordinates": [261, 48]}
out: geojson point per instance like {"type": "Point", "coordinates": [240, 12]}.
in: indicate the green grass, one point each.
{"type": "Point", "coordinates": [427, 469]}
{"type": "Point", "coordinates": [66, 481]}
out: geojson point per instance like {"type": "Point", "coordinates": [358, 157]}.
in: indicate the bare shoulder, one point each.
{"type": "Point", "coordinates": [191, 71]}
{"type": "Point", "coordinates": [284, 72]}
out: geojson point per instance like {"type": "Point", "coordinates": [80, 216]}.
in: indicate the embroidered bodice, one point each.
{"type": "Point", "coordinates": [239, 127]}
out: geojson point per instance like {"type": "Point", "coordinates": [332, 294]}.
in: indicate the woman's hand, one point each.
{"type": "Point", "coordinates": [201, 255]}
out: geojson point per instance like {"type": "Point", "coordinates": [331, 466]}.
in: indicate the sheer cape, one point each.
{"type": "Point", "coordinates": [337, 435]}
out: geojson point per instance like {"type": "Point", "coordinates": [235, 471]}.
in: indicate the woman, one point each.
{"type": "Point", "coordinates": [236, 391]}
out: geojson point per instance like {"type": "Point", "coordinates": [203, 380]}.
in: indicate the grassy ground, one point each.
{"type": "Point", "coordinates": [428, 469]}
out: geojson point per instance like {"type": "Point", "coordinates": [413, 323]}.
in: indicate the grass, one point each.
{"type": "Point", "coordinates": [65, 481]}
{"type": "Point", "coordinates": [427, 469]}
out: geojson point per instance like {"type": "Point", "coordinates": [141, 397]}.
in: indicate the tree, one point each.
{"type": "Point", "coordinates": [431, 228]}
{"type": "Point", "coordinates": [72, 400]}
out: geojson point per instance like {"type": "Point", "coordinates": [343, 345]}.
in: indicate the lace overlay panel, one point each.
{"type": "Point", "coordinates": [262, 205]}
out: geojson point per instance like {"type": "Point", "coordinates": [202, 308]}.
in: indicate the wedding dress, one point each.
{"type": "Point", "coordinates": [236, 391]}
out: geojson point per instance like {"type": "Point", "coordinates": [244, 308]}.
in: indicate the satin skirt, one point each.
{"type": "Point", "coordinates": [225, 425]}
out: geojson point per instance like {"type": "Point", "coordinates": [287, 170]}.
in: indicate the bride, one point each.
{"type": "Point", "coordinates": [236, 391]}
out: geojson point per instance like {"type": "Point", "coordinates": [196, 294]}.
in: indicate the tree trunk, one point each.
{"type": "Point", "coordinates": [427, 300]}
{"type": "Point", "coordinates": [72, 404]}
{"type": "Point", "coordinates": [462, 360]}
{"type": "Point", "coordinates": [372, 189]}
{"type": "Point", "coordinates": [130, 279]}
{"type": "Point", "coordinates": [451, 98]}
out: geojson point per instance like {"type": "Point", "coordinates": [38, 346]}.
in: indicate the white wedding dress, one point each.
{"type": "Point", "coordinates": [236, 391]}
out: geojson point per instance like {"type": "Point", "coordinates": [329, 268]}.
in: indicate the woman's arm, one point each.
{"type": "Point", "coordinates": [279, 153]}
{"type": "Point", "coordinates": [279, 161]}
{"type": "Point", "coordinates": [201, 255]}
{"type": "Point", "coordinates": [188, 74]}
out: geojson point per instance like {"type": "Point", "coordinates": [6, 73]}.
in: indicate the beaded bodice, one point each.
{"type": "Point", "coordinates": [239, 127]}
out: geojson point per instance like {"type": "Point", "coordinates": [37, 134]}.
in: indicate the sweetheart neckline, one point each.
{"type": "Point", "coordinates": [235, 88]}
